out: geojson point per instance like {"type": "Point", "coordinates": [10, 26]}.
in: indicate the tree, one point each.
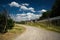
{"type": "Point", "coordinates": [6, 22]}
{"type": "Point", "coordinates": [56, 9]}
{"type": "Point", "coordinates": [45, 15]}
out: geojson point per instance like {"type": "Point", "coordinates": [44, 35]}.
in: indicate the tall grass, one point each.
{"type": "Point", "coordinates": [46, 25]}
{"type": "Point", "coordinates": [11, 34]}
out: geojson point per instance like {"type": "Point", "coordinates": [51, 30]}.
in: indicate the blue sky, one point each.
{"type": "Point", "coordinates": [24, 7]}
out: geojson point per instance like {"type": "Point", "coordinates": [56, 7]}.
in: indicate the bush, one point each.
{"type": "Point", "coordinates": [6, 22]}
{"type": "Point", "coordinates": [22, 22]}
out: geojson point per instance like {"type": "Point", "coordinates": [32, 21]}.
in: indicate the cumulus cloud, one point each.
{"type": "Point", "coordinates": [32, 9]}
{"type": "Point", "coordinates": [26, 8]}
{"type": "Point", "coordinates": [43, 10]}
{"type": "Point", "coordinates": [32, 16]}
{"type": "Point", "coordinates": [26, 16]}
{"type": "Point", "coordinates": [14, 4]}
{"type": "Point", "coordinates": [22, 6]}
{"type": "Point", "coordinates": [25, 4]}
{"type": "Point", "coordinates": [22, 15]}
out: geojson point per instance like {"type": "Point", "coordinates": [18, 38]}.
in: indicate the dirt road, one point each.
{"type": "Point", "coordinates": [33, 33]}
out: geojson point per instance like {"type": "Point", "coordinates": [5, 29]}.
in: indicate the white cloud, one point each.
{"type": "Point", "coordinates": [26, 16]}
{"type": "Point", "coordinates": [25, 4]}
{"type": "Point", "coordinates": [26, 8]}
{"type": "Point", "coordinates": [22, 15]}
{"type": "Point", "coordinates": [43, 10]}
{"type": "Point", "coordinates": [14, 4]}
{"type": "Point", "coordinates": [22, 6]}
{"type": "Point", "coordinates": [32, 9]}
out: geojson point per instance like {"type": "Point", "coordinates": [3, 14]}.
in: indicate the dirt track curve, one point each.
{"type": "Point", "coordinates": [33, 33]}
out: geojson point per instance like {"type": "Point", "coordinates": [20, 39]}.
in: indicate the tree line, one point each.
{"type": "Point", "coordinates": [6, 23]}
{"type": "Point", "coordinates": [54, 12]}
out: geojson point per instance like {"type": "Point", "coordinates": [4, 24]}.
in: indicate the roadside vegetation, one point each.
{"type": "Point", "coordinates": [11, 34]}
{"type": "Point", "coordinates": [53, 25]}
{"type": "Point", "coordinates": [8, 28]}
{"type": "Point", "coordinates": [45, 25]}
{"type": "Point", "coordinates": [6, 23]}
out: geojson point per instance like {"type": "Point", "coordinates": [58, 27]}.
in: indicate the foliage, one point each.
{"type": "Point", "coordinates": [45, 15]}
{"type": "Point", "coordinates": [56, 22]}
{"type": "Point", "coordinates": [56, 9]}
{"type": "Point", "coordinates": [45, 25]}
{"type": "Point", "coordinates": [5, 22]}
{"type": "Point", "coordinates": [22, 22]}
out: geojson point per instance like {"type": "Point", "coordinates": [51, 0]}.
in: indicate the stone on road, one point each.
{"type": "Point", "coordinates": [33, 33]}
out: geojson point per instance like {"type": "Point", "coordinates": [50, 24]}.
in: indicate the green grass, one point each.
{"type": "Point", "coordinates": [46, 25]}
{"type": "Point", "coordinates": [50, 27]}
{"type": "Point", "coordinates": [17, 30]}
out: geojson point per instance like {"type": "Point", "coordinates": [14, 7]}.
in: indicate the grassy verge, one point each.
{"type": "Point", "coordinates": [17, 30]}
{"type": "Point", "coordinates": [45, 25]}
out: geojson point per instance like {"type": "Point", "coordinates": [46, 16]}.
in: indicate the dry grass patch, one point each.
{"type": "Point", "coordinates": [17, 30]}
{"type": "Point", "coordinates": [45, 25]}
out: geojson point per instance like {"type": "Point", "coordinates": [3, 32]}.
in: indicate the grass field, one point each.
{"type": "Point", "coordinates": [17, 30]}
{"type": "Point", "coordinates": [45, 25]}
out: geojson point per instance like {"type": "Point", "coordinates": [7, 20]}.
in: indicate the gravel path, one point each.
{"type": "Point", "coordinates": [33, 33]}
